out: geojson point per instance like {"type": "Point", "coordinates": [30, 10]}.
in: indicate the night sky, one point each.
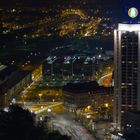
{"type": "Point", "coordinates": [41, 2]}
{"type": "Point", "coordinates": [119, 4]}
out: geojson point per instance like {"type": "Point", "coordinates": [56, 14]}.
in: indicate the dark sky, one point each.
{"type": "Point", "coordinates": [34, 2]}
{"type": "Point", "coordinates": [116, 5]}
{"type": "Point", "coordinates": [41, 2]}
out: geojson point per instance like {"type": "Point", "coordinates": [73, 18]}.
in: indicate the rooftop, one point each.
{"type": "Point", "coordinates": [83, 87]}
{"type": "Point", "coordinates": [2, 67]}
{"type": "Point", "coordinates": [10, 76]}
{"type": "Point", "coordinates": [6, 71]}
{"type": "Point", "coordinates": [129, 27]}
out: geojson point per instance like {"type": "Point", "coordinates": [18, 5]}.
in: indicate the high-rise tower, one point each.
{"type": "Point", "coordinates": [127, 69]}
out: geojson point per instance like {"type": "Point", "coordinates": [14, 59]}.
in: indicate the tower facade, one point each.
{"type": "Point", "coordinates": [126, 70]}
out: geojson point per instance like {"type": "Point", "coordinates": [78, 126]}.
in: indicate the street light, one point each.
{"type": "Point", "coordinates": [40, 95]}
{"type": "Point", "coordinates": [106, 105]}
{"type": "Point", "coordinates": [49, 110]}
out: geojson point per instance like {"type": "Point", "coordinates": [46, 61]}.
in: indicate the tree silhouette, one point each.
{"type": "Point", "coordinates": [19, 124]}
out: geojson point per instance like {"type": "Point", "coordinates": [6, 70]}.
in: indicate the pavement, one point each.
{"type": "Point", "coordinates": [63, 122]}
{"type": "Point", "coordinates": [66, 125]}
{"type": "Point", "coordinates": [101, 128]}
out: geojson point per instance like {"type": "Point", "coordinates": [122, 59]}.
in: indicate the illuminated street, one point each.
{"type": "Point", "coordinates": [69, 70]}
{"type": "Point", "coordinates": [63, 121]}
{"type": "Point", "coordinates": [75, 130]}
{"type": "Point", "coordinates": [106, 80]}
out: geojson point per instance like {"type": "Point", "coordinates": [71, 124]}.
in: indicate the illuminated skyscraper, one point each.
{"type": "Point", "coordinates": [127, 69]}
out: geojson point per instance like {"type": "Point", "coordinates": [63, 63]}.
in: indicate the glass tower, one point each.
{"type": "Point", "coordinates": [126, 70]}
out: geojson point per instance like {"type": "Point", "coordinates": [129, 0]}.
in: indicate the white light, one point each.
{"type": "Point", "coordinates": [14, 101]}
{"type": "Point", "coordinates": [13, 10]}
{"type": "Point", "coordinates": [129, 27]}
{"type": "Point", "coordinates": [88, 116]}
{"type": "Point", "coordinates": [133, 12]}
{"type": "Point", "coordinates": [49, 110]}
{"type": "Point", "coordinates": [120, 134]}
{"type": "Point", "coordinates": [40, 118]}
{"type": "Point", "coordinates": [6, 109]}
{"type": "Point", "coordinates": [99, 55]}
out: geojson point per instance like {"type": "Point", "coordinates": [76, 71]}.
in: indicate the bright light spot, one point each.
{"type": "Point", "coordinates": [13, 10]}
{"type": "Point", "coordinates": [49, 110]}
{"type": "Point", "coordinates": [40, 118]}
{"type": "Point", "coordinates": [88, 116]}
{"type": "Point", "coordinates": [13, 100]}
{"type": "Point", "coordinates": [133, 12]}
{"type": "Point", "coordinates": [120, 134]}
{"type": "Point", "coordinates": [40, 95]}
{"type": "Point", "coordinates": [99, 56]}
{"type": "Point", "coordinates": [106, 105]}
{"type": "Point", "coordinates": [88, 107]}
{"type": "Point", "coordinates": [6, 109]}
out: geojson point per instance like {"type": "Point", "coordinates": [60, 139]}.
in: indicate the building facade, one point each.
{"type": "Point", "coordinates": [126, 70]}
{"type": "Point", "coordinates": [12, 82]}
{"type": "Point", "coordinates": [131, 124]}
{"type": "Point", "coordinates": [81, 95]}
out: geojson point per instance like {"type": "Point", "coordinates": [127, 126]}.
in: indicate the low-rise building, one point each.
{"type": "Point", "coordinates": [12, 82]}
{"type": "Point", "coordinates": [81, 95]}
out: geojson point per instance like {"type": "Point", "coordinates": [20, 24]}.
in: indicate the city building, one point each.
{"type": "Point", "coordinates": [78, 67]}
{"type": "Point", "coordinates": [103, 96]}
{"type": "Point", "coordinates": [12, 82]}
{"type": "Point", "coordinates": [131, 124]}
{"type": "Point", "coordinates": [68, 66]}
{"type": "Point", "coordinates": [78, 95]}
{"type": "Point", "coordinates": [81, 95]}
{"type": "Point", "coordinates": [126, 70]}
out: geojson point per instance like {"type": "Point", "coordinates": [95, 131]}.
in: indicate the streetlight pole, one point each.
{"type": "Point", "coordinates": [40, 95]}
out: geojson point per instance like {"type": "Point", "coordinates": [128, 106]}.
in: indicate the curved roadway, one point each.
{"type": "Point", "coordinates": [105, 80]}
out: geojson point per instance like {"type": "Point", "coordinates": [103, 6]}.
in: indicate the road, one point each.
{"type": "Point", "coordinates": [105, 80]}
{"type": "Point", "coordinates": [48, 107]}
{"type": "Point", "coordinates": [64, 122]}
{"type": "Point", "coordinates": [65, 125]}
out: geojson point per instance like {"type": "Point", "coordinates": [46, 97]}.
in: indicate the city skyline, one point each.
{"type": "Point", "coordinates": [74, 65]}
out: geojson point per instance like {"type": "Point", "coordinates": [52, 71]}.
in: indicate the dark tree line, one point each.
{"type": "Point", "coordinates": [19, 124]}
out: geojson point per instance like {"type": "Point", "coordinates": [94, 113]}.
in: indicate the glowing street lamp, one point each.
{"type": "Point", "coordinates": [40, 95]}
{"type": "Point", "coordinates": [49, 110]}
{"type": "Point", "coordinates": [106, 105]}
